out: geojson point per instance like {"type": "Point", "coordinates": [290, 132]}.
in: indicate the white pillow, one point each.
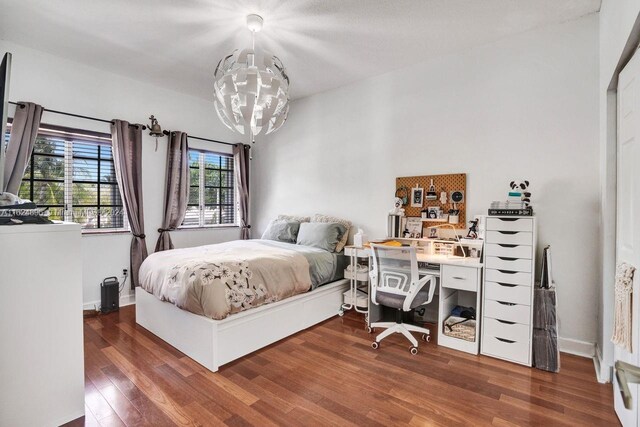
{"type": "Point", "coordinates": [293, 218]}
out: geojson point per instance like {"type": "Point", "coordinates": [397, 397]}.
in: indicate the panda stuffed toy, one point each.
{"type": "Point", "coordinates": [522, 187]}
{"type": "Point", "coordinates": [397, 207]}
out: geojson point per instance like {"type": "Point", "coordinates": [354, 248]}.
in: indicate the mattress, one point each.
{"type": "Point", "coordinates": [226, 278]}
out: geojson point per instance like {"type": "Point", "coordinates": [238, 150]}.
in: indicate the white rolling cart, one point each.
{"type": "Point", "coordinates": [357, 296]}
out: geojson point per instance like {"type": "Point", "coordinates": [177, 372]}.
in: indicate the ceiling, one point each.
{"type": "Point", "coordinates": [324, 44]}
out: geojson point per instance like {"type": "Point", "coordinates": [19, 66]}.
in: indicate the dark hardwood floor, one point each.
{"type": "Point", "coordinates": [327, 375]}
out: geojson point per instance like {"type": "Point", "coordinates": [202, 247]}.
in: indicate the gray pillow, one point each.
{"type": "Point", "coordinates": [323, 235]}
{"type": "Point", "coordinates": [282, 231]}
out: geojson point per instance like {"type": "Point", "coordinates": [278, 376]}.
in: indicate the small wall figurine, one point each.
{"type": "Point", "coordinates": [473, 230]}
{"type": "Point", "coordinates": [522, 187]}
{"type": "Point", "coordinates": [443, 196]}
{"type": "Point", "coordinates": [397, 207]}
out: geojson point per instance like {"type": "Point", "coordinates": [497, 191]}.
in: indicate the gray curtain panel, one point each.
{"type": "Point", "coordinates": [176, 188]}
{"type": "Point", "coordinates": [126, 140]}
{"type": "Point", "coordinates": [24, 131]}
{"type": "Point", "coordinates": [241, 160]}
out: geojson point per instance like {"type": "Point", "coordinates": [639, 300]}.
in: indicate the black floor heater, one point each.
{"type": "Point", "coordinates": [109, 295]}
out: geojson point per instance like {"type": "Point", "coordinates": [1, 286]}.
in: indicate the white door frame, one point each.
{"type": "Point", "coordinates": [603, 359]}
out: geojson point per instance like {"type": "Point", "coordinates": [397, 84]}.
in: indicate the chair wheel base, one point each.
{"type": "Point", "coordinates": [426, 337]}
{"type": "Point", "coordinates": [413, 350]}
{"type": "Point", "coordinates": [375, 345]}
{"type": "Point", "coordinates": [369, 329]}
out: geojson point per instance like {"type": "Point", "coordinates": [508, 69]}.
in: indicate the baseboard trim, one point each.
{"type": "Point", "coordinates": [127, 299]}
{"type": "Point", "coordinates": [604, 372]}
{"type": "Point", "coordinates": [576, 347]}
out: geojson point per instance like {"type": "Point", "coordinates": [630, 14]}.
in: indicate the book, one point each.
{"type": "Point", "coordinates": [510, 209]}
{"type": "Point", "coordinates": [413, 227]}
{"type": "Point", "coordinates": [510, 212]}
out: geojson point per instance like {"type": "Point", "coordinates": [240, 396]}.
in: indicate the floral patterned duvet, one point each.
{"type": "Point", "coordinates": [222, 279]}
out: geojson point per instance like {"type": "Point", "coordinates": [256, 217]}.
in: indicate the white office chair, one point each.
{"type": "Point", "coordinates": [395, 283]}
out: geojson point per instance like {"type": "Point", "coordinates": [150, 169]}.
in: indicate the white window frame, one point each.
{"type": "Point", "coordinates": [68, 190]}
{"type": "Point", "coordinates": [201, 193]}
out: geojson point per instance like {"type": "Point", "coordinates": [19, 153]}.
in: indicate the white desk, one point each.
{"type": "Point", "coordinates": [450, 260]}
{"type": "Point", "coordinates": [459, 283]}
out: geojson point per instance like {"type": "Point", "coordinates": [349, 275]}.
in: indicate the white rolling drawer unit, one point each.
{"type": "Point", "coordinates": [507, 302]}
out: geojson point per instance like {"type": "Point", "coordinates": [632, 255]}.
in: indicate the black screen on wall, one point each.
{"type": "Point", "coordinates": [5, 72]}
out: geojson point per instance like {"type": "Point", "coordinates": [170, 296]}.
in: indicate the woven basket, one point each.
{"type": "Point", "coordinates": [464, 331]}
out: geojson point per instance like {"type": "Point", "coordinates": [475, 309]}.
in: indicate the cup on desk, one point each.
{"type": "Point", "coordinates": [454, 216]}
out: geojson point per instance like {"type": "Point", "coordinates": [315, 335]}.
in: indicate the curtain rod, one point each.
{"type": "Point", "coordinates": [75, 115]}
{"type": "Point", "coordinates": [166, 132]}
{"type": "Point", "coordinates": [109, 121]}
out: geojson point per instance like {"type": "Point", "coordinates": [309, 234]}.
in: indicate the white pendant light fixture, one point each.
{"type": "Point", "coordinates": [251, 90]}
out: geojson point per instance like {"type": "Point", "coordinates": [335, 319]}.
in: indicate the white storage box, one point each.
{"type": "Point", "coordinates": [361, 298]}
{"type": "Point", "coordinates": [361, 276]}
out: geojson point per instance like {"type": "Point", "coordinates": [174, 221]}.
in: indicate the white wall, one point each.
{"type": "Point", "coordinates": [617, 18]}
{"type": "Point", "coordinates": [523, 107]}
{"type": "Point", "coordinates": [59, 84]}
{"type": "Point", "coordinates": [616, 21]}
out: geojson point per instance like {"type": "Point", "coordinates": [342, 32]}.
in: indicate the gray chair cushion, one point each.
{"type": "Point", "coordinates": [397, 301]}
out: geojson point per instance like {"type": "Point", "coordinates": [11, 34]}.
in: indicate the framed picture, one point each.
{"type": "Point", "coordinates": [413, 228]}
{"type": "Point", "coordinates": [417, 196]}
{"type": "Point", "coordinates": [433, 233]}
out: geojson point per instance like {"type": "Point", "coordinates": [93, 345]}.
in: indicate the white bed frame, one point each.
{"type": "Point", "coordinates": [212, 343]}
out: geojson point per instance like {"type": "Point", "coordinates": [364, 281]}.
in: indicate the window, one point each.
{"type": "Point", "coordinates": [212, 192]}
{"type": "Point", "coordinates": [72, 173]}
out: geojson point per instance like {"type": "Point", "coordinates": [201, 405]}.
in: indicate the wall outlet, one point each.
{"type": "Point", "coordinates": [125, 271]}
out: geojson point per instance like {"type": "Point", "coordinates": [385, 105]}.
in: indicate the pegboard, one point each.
{"type": "Point", "coordinates": [448, 183]}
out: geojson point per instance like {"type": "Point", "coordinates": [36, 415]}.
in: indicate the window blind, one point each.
{"type": "Point", "coordinates": [72, 173]}
{"type": "Point", "coordinates": [212, 199]}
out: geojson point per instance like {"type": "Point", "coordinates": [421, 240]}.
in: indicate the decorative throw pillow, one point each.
{"type": "Point", "coordinates": [323, 235]}
{"type": "Point", "coordinates": [294, 218]}
{"type": "Point", "coordinates": [344, 222]}
{"type": "Point", "coordinates": [282, 231]}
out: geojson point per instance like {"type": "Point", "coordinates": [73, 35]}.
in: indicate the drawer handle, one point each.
{"type": "Point", "coordinates": [506, 322]}
{"type": "Point", "coordinates": [505, 340]}
{"type": "Point", "coordinates": [506, 285]}
{"type": "Point", "coordinates": [504, 245]}
{"type": "Point", "coordinates": [507, 271]}
{"type": "Point", "coordinates": [459, 278]}
{"type": "Point", "coordinates": [505, 258]}
{"type": "Point", "coordinates": [508, 232]}
{"type": "Point", "coordinates": [506, 303]}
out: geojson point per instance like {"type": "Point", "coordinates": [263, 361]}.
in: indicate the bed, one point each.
{"type": "Point", "coordinates": [216, 303]}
